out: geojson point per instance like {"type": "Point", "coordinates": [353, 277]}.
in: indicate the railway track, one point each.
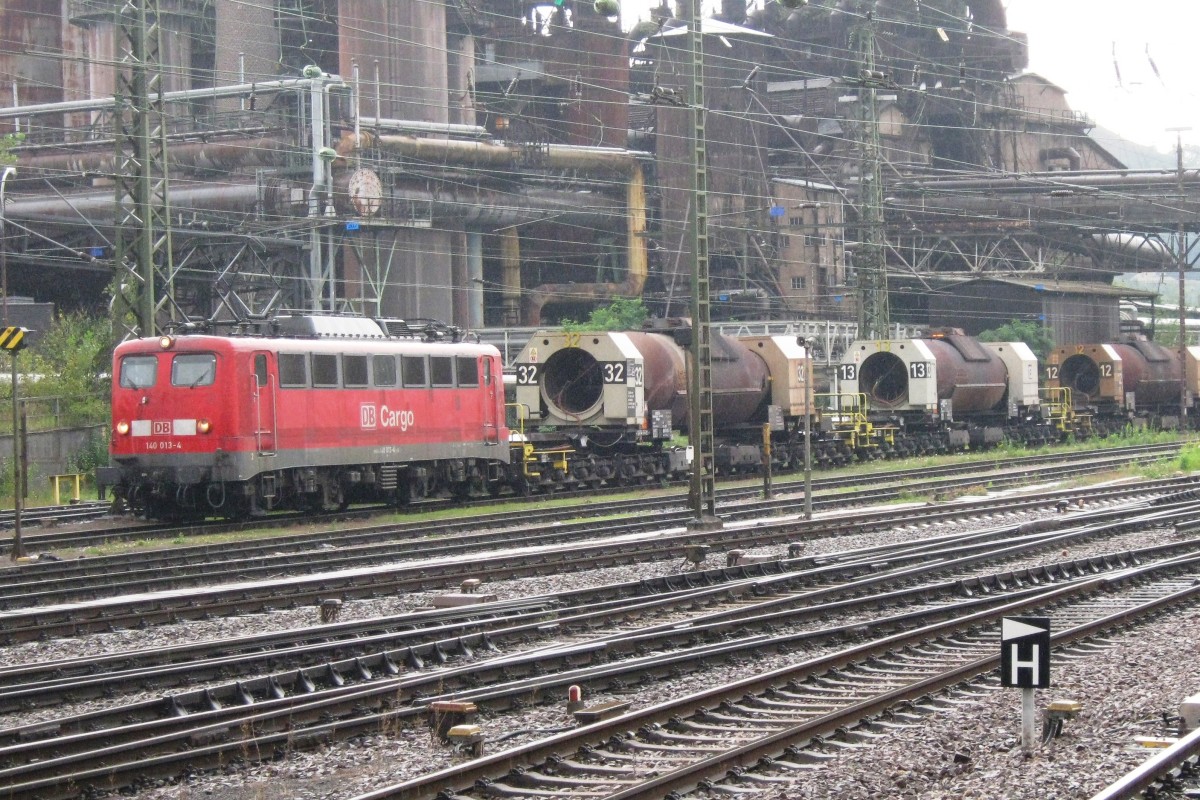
{"type": "Point", "coordinates": [347, 653]}
{"type": "Point", "coordinates": [129, 529]}
{"type": "Point", "coordinates": [49, 516]}
{"type": "Point", "coordinates": [63, 581]}
{"type": "Point", "coordinates": [817, 692]}
{"type": "Point", "coordinates": [1174, 772]}
{"type": "Point", "coordinates": [761, 731]}
{"type": "Point", "coordinates": [217, 732]}
{"type": "Point", "coordinates": [146, 596]}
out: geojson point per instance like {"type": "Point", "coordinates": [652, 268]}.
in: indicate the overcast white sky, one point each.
{"type": "Point", "coordinates": [1071, 42]}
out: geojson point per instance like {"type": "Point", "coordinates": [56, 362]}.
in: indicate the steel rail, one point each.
{"type": "Point", "coordinates": [28, 623]}
{"type": "Point", "coordinates": [463, 776]}
{"type": "Point", "coordinates": [522, 618]}
{"type": "Point", "coordinates": [533, 685]}
{"type": "Point", "coordinates": [166, 570]}
{"type": "Point", "coordinates": [1152, 772]}
{"type": "Point", "coordinates": [728, 495]}
{"type": "Point", "coordinates": [346, 704]}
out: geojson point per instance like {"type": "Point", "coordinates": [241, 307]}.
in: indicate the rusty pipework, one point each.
{"type": "Point", "coordinates": [223, 155]}
{"type": "Point", "coordinates": [490, 154]}
{"type": "Point", "coordinates": [635, 276]}
{"type": "Point", "coordinates": [454, 152]}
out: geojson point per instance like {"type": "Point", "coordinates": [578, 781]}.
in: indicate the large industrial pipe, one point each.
{"type": "Point", "coordinates": [491, 154]}
{"type": "Point", "coordinates": [1031, 182]}
{"type": "Point", "coordinates": [464, 204]}
{"type": "Point", "coordinates": [510, 258]}
{"type": "Point", "coordinates": [106, 103]}
{"type": "Point", "coordinates": [99, 207]}
{"type": "Point", "coordinates": [637, 268]}
{"type": "Point", "coordinates": [475, 279]}
{"type": "Point", "coordinates": [224, 155]}
{"type": "Point", "coordinates": [1069, 154]}
{"type": "Point", "coordinates": [423, 127]}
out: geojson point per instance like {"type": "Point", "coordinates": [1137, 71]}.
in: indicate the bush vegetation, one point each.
{"type": "Point", "coordinates": [1039, 338]}
{"type": "Point", "coordinates": [620, 315]}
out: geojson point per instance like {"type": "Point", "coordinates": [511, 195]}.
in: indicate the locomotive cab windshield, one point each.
{"type": "Point", "coordinates": [138, 372]}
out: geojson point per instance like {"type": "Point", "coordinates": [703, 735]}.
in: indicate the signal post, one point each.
{"type": "Point", "coordinates": [12, 339]}
{"type": "Point", "coordinates": [1025, 665]}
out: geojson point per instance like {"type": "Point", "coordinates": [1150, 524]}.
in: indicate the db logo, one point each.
{"type": "Point", "coordinates": [367, 416]}
{"type": "Point", "coordinates": [162, 427]}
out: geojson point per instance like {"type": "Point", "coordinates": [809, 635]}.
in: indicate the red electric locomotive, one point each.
{"type": "Point", "coordinates": [303, 413]}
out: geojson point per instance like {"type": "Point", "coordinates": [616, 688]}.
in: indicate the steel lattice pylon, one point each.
{"type": "Point", "coordinates": [874, 317]}
{"type": "Point", "coordinates": [142, 296]}
{"type": "Point", "coordinates": [700, 414]}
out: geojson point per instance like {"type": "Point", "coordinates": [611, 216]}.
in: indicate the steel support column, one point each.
{"type": "Point", "coordinates": [144, 295]}
{"type": "Point", "coordinates": [700, 417]}
{"type": "Point", "coordinates": [874, 318]}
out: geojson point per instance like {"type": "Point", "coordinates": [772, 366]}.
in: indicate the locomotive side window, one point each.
{"type": "Point", "coordinates": [441, 371]}
{"type": "Point", "coordinates": [413, 369]}
{"type": "Point", "coordinates": [354, 370]}
{"type": "Point", "coordinates": [293, 370]}
{"type": "Point", "coordinates": [138, 372]}
{"type": "Point", "coordinates": [324, 370]}
{"type": "Point", "coordinates": [260, 369]}
{"type": "Point", "coordinates": [384, 368]}
{"type": "Point", "coordinates": [193, 369]}
{"type": "Point", "coordinates": [468, 371]}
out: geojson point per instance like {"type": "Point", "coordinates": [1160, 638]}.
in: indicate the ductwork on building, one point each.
{"type": "Point", "coordinates": [502, 156]}
{"type": "Point", "coordinates": [637, 267]}
{"type": "Point", "coordinates": [1068, 154]}
{"type": "Point", "coordinates": [285, 201]}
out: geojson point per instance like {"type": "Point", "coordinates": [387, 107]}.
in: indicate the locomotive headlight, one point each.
{"type": "Point", "coordinates": [166, 342]}
{"type": "Point", "coordinates": [203, 426]}
{"type": "Point", "coordinates": [123, 427]}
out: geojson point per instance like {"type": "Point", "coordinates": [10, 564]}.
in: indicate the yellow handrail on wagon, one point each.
{"type": "Point", "coordinates": [850, 422]}
{"type": "Point", "coordinates": [533, 460]}
{"type": "Point", "coordinates": [1058, 405]}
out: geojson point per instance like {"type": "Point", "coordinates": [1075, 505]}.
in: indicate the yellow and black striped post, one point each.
{"type": "Point", "coordinates": [12, 339]}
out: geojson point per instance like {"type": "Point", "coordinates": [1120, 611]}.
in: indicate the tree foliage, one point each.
{"type": "Point", "coordinates": [7, 142]}
{"type": "Point", "coordinates": [1039, 338]}
{"type": "Point", "coordinates": [623, 314]}
{"type": "Point", "coordinates": [65, 376]}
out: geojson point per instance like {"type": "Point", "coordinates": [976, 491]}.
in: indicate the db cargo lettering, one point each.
{"type": "Point", "coordinates": [402, 419]}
